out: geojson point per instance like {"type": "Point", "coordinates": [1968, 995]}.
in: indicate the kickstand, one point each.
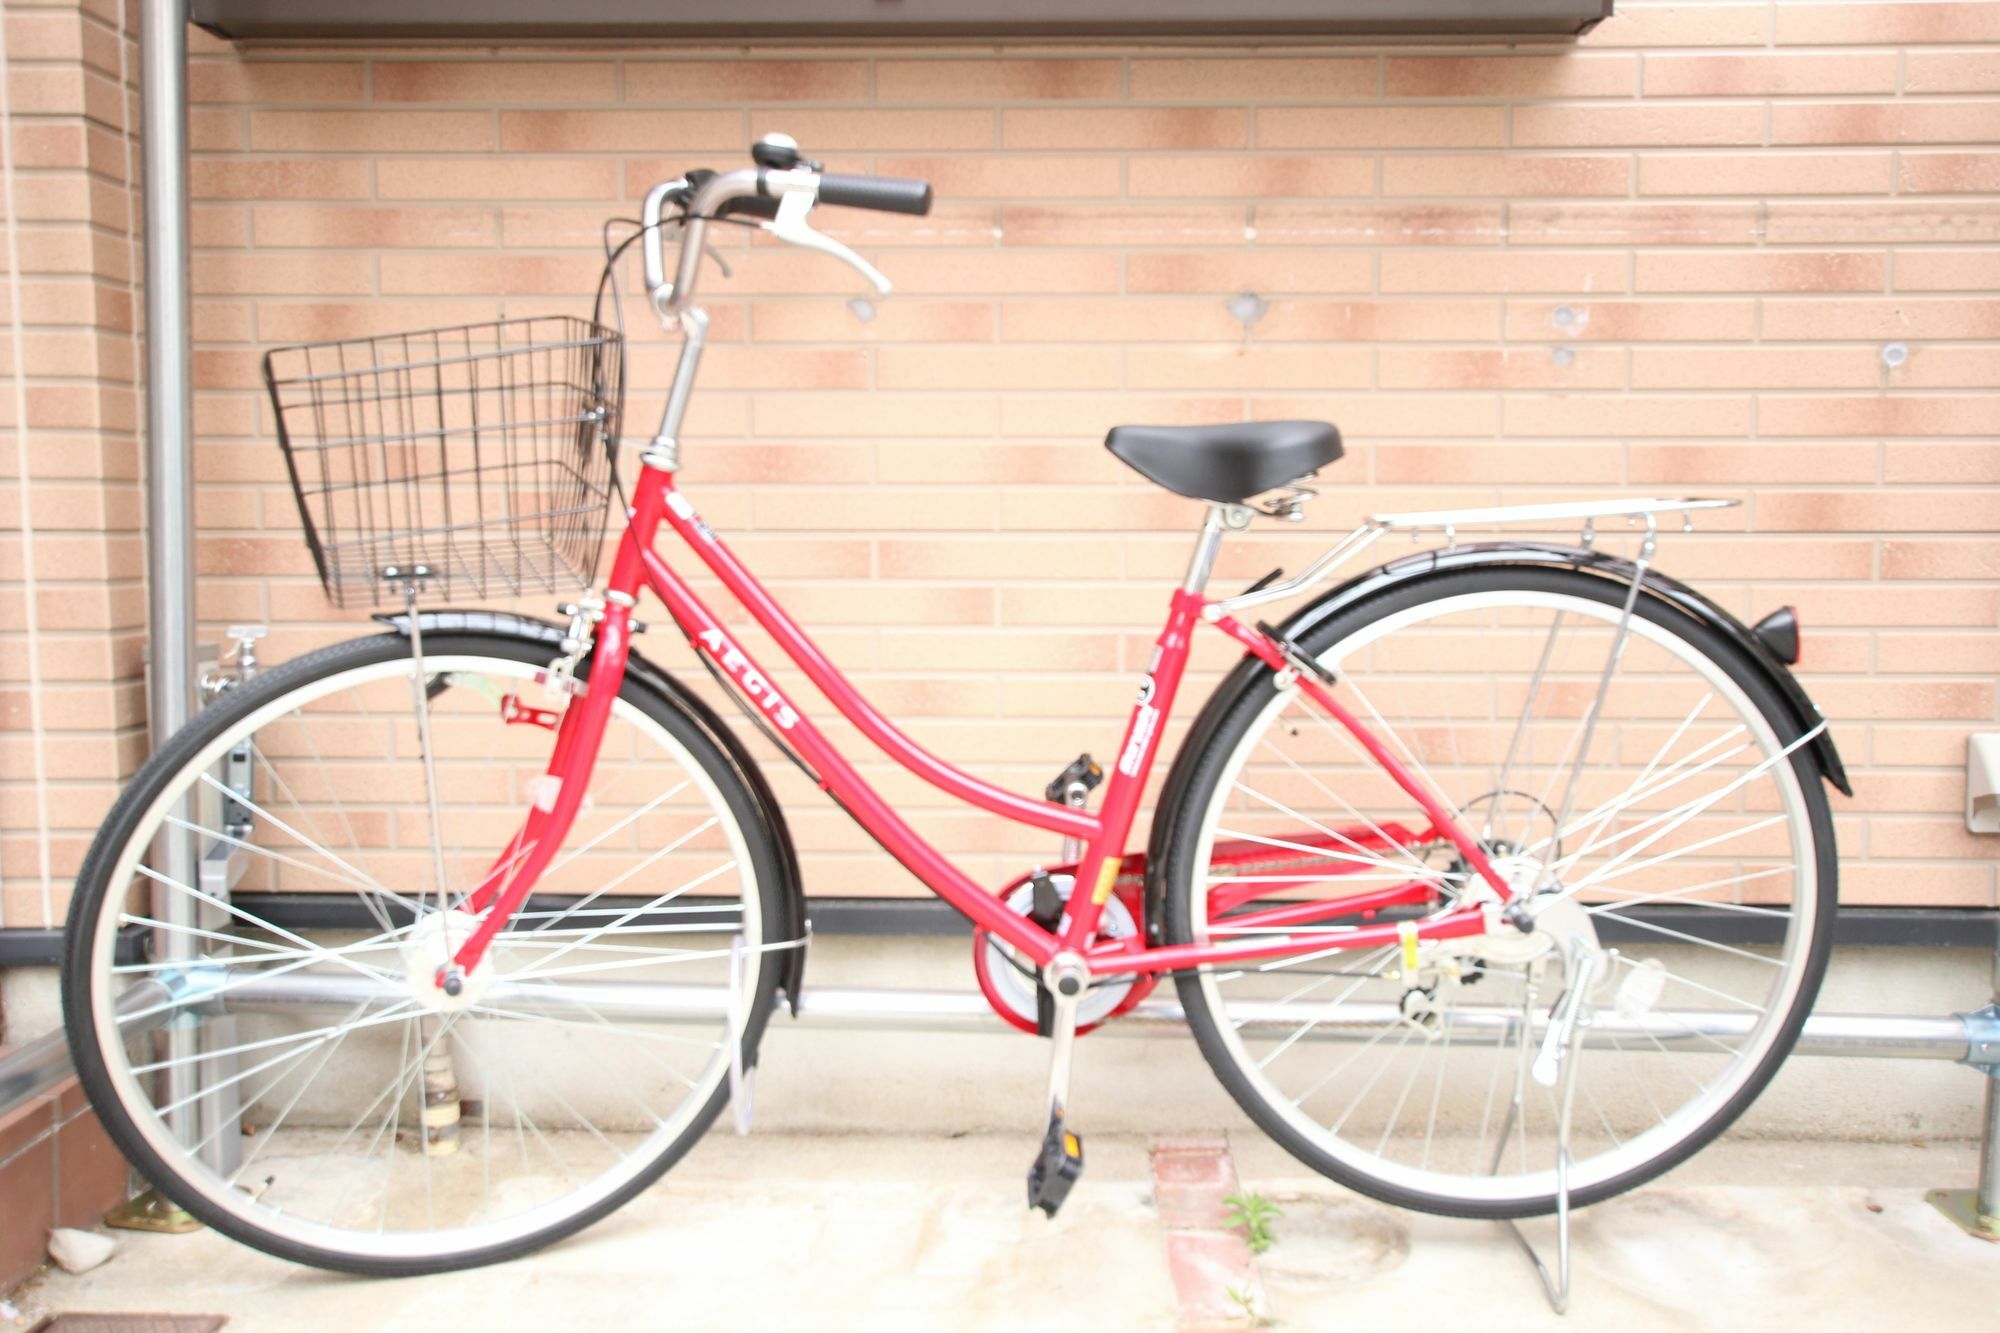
{"type": "Point", "coordinates": [1555, 1066]}
{"type": "Point", "coordinates": [742, 1081]}
{"type": "Point", "coordinates": [1556, 1286]}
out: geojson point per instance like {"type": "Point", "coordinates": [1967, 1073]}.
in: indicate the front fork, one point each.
{"type": "Point", "coordinates": [605, 634]}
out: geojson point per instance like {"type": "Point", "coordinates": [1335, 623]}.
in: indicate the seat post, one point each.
{"type": "Point", "coordinates": [1203, 560]}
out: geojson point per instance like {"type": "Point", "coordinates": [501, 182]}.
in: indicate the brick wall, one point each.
{"type": "Point", "coordinates": [72, 563]}
{"type": "Point", "coordinates": [1672, 257]}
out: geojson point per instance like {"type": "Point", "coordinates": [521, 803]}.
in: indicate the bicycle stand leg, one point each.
{"type": "Point", "coordinates": [1555, 1066]}
{"type": "Point", "coordinates": [742, 1081]}
{"type": "Point", "coordinates": [1977, 1210]}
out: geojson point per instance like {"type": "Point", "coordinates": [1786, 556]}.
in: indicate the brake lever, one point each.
{"type": "Point", "coordinates": [791, 226]}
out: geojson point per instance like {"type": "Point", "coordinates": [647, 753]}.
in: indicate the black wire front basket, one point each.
{"type": "Point", "coordinates": [477, 458]}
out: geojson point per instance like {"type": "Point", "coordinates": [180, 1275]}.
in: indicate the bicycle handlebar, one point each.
{"type": "Point", "coordinates": [764, 192]}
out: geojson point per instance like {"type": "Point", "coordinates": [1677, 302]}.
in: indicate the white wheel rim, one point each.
{"type": "Point", "coordinates": [401, 1244]}
{"type": "Point", "coordinates": [1641, 1148]}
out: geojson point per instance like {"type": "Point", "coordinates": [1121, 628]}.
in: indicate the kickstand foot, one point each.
{"type": "Point", "coordinates": [1555, 1067]}
{"type": "Point", "coordinates": [1555, 1285]}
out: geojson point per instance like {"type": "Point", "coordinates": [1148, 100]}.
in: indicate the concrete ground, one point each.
{"type": "Point", "coordinates": [874, 1233]}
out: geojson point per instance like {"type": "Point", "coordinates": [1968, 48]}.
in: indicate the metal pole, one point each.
{"type": "Point", "coordinates": [1987, 1197]}
{"type": "Point", "coordinates": [1978, 1209]}
{"type": "Point", "coordinates": [169, 464]}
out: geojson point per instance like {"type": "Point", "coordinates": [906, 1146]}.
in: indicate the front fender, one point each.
{"type": "Point", "coordinates": [1805, 714]}
{"type": "Point", "coordinates": [506, 625]}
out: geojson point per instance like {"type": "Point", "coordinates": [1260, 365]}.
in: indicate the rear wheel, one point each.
{"type": "Point", "coordinates": [1618, 777]}
{"type": "Point", "coordinates": [257, 927]}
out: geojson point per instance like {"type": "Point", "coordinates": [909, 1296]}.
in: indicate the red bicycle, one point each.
{"type": "Point", "coordinates": [1496, 877]}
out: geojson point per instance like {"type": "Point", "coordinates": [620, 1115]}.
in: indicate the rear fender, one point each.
{"type": "Point", "coordinates": [528, 629]}
{"type": "Point", "coordinates": [1805, 714]}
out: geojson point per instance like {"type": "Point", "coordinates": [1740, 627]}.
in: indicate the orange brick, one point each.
{"type": "Point", "coordinates": [1683, 25]}
{"type": "Point", "coordinates": [1258, 176]}
{"type": "Point", "coordinates": [1630, 321]}
{"type": "Point", "coordinates": [495, 81]}
{"type": "Point", "coordinates": [879, 130]}
{"type": "Point", "coordinates": [294, 322]}
{"type": "Point", "coordinates": [1020, 463]}
{"type": "Point", "coordinates": [1514, 368]}
{"type": "Point", "coordinates": [1254, 366]}
{"type": "Point", "coordinates": [1625, 414]}
{"type": "Point", "coordinates": [495, 178]}
{"type": "Point", "coordinates": [1933, 460]}
{"type": "Point", "coordinates": [1766, 173]}
{"type": "Point", "coordinates": [867, 509]}
{"type": "Point", "coordinates": [996, 368]}
{"type": "Point", "coordinates": [1090, 416]}
{"type": "Point", "coordinates": [276, 224]}
{"type": "Point", "coordinates": [1005, 80]}
{"type": "Point", "coordinates": [1768, 73]}
{"type": "Point", "coordinates": [1153, 320]}
{"type": "Point", "coordinates": [1761, 271]}
{"type": "Point", "coordinates": [1234, 271]}
{"type": "Point", "coordinates": [1100, 128]}
{"type": "Point", "coordinates": [289, 275]}
{"type": "Point", "coordinates": [1951, 173]}
{"type": "Point", "coordinates": [1882, 122]}
{"type": "Point", "coordinates": [679, 82]}
{"type": "Point", "coordinates": [1512, 271]}
{"type": "Point", "coordinates": [1886, 511]}
{"type": "Point", "coordinates": [370, 131]}
{"type": "Point", "coordinates": [1857, 24]}
{"type": "Point", "coordinates": [1890, 318]}
{"type": "Point", "coordinates": [1933, 366]}
{"type": "Point", "coordinates": [600, 131]}
{"type": "Point", "coordinates": [1947, 270]}
{"type": "Point", "coordinates": [1400, 464]}
{"type": "Point", "coordinates": [1951, 71]}
{"type": "Point", "coordinates": [278, 178]}
{"type": "Point", "coordinates": [260, 81]}
{"type": "Point", "coordinates": [1380, 321]}
{"type": "Point", "coordinates": [1876, 415]}
{"type": "Point", "coordinates": [1511, 76]}
{"type": "Point", "coordinates": [1752, 367]}
{"type": "Point", "coordinates": [1381, 127]}
{"type": "Point", "coordinates": [1512, 175]}
{"type": "Point", "coordinates": [1123, 224]}
{"type": "Point", "coordinates": [961, 272]}
{"type": "Point", "coordinates": [464, 275]}
{"type": "Point", "coordinates": [1916, 558]}
{"type": "Point", "coordinates": [1263, 79]}
{"type": "Point", "coordinates": [895, 321]}
{"type": "Point", "coordinates": [1681, 125]}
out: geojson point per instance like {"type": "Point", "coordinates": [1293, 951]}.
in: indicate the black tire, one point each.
{"type": "Point", "coordinates": [157, 775]}
{"type": "Point", "coordinates": [1241, 712]}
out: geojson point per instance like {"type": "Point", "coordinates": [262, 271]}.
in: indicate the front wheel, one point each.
{"type": "Point", "coordinates": [1619, 774]}
{"type": "Point", "coordinates": [249, 986]}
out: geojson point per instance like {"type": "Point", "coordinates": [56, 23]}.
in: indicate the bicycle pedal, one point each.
{"type": "Point", "coordinates": [1056, 1168]}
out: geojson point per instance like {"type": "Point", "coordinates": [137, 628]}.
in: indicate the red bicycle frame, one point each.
{"type": "Point", "coordinates": [1104, 835]}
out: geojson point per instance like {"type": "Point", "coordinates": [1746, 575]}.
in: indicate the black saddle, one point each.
{"type": "Point", "coordinates": [1228, 463]}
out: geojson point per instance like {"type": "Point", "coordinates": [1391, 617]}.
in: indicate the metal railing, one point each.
{"type": "Point", "coordinates": [1972, 1038]}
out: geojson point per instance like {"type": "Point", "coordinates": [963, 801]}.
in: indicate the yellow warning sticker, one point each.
{"type": "Point", "coordinates": [1107, 879]}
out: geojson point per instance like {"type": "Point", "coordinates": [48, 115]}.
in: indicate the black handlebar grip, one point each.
{"type": "Point", "coordinates": [884, 194]}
